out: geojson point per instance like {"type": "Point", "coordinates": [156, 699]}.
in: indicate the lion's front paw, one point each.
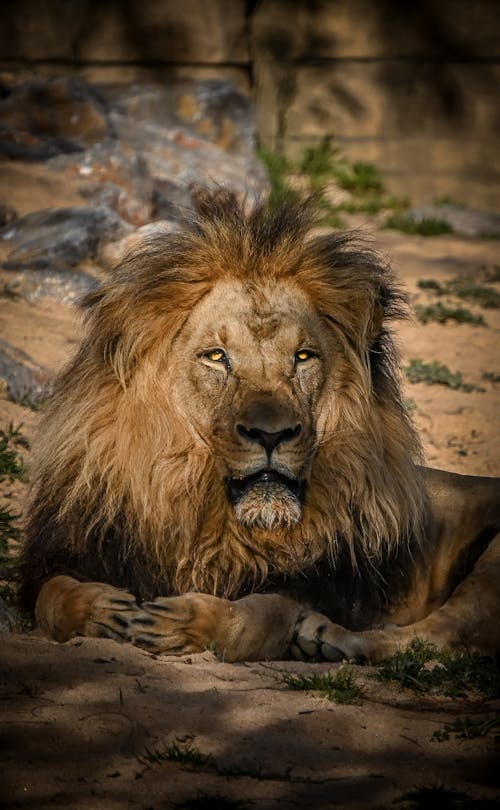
{"type": "Point", "coordinates": [178, 624]}
{"type": "Point", "coordinates": [316, 638]}
{"type": "Point", "coordinates": [66, 608]}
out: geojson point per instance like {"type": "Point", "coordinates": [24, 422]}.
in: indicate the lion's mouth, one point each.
{"type": "Point", "coordinates": [264, 479]}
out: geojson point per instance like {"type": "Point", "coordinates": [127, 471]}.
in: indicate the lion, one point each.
{"type": "Point", "coordinates": [227, 463]}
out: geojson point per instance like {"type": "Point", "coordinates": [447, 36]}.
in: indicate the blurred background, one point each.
{"type": "Point", "coordinates": [411, 86]}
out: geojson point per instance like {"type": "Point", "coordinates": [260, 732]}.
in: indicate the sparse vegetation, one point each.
{"type": "Point", "coordinates": [435, 373]}
{"type": "Point", "coordinates": [491, 376]}
{"type": "Point", "coordinates": [437, 796]}
{"type": "Point", "coordinates": [11, 464]}
{"type": "Point", "coordinates": [324, 164]}
{"type": "Point", "coordinates": [466, 288]}
{"type": "Point", "coordinates": [468, 728]}
{"type": "Point", "coordinates": [442, 314]}
{"type": "Point", "coordinates": [185, 755]}
{"type": "Point", "coordinates": [422, 227]}
{"type": "Point", "coordinates": [421, 667]}
{"type": "Point", "coordinates": [339, 687]}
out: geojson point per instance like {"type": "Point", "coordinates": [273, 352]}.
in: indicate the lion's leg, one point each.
{"type": "Point", "coordinates": [67, 608]}
{"type": "Point", "coordinates": [256, 627]}
{"type": "Point", "coordinates": [468, 620]}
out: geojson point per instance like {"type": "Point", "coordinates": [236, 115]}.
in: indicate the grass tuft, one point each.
{"type": "Point", "coordinates": [185, 755]}
{"type": "Point", "coordinates": [442, 314]}
{"type": "Point", "coordinates": [435, 373]}
{"type": "Point", "coordinates": [468, 728]}
{"type": "Point", "coordinates": [421, 667]}
{"type": "Point", "coordinates": [340, 687]}
{"type": "Point", "coordinates": [423, 227]}
{"type": "Point", "coordinates": [11, 464]}
{"type": "Point", "coordinates": [466, 288]}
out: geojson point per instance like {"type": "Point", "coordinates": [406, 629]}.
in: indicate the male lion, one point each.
{"type": "Point", "coordinates": [229, 447]}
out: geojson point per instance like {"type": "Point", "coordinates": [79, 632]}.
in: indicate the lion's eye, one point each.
{"type": "Point", "coordinates": [304, 354]}
{"type": "Point", "coordinates": [216, 356]}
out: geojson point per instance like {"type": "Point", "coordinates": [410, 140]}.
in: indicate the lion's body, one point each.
{"type": "Point", "coordinates": [233, 426]}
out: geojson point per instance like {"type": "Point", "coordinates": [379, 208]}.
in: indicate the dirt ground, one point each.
{"type": "Point", "coordinates": [79, 718]}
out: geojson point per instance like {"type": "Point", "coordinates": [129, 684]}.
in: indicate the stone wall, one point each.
{"type": "Point", "coordinates": [410, 85]}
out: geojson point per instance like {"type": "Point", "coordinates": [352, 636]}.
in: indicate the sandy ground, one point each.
{"type": "Point", "coordinates": [77, 718]}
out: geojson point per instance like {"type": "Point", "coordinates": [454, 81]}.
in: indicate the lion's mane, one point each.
{"type": "Point", "coordinates": [124, 492]}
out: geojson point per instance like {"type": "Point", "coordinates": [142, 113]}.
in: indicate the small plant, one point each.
{"type": "Point", "coordinates": [438, 797]}
{"type": "Point", "coordinates": [491, 376]}
{"type": "Point", "coordinates": [11, 465]}
{"type": "Point", "coordinates": [359, 178]}
{"type": "Point", "coordinates": [340, 687]}
{"type": "Point", "coordinates": [442, 314]}
{"type": "Point", "coordinates": [278, 166]}
{"type": "Point", "coordinates": [435, 373]}
{"type": "Point", "coordinates": [466, 288]}
{"type": "Point", "coordinates": [468, 728]}
{"type": "Point", "coordinates": [451, 674]}
{"type": "Point", "coordinates": [187, 756]}
{"type": "Point", "coordinates": [319, 163]}
{"type": "Point", "coordinates": [424, 227]}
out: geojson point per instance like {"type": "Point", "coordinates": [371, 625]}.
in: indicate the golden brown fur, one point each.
{"type": "Point", "coordinates": [131, 475]}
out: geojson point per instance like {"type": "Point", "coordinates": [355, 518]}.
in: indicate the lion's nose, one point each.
{"type": "Point", "coordinates": [269, 441]}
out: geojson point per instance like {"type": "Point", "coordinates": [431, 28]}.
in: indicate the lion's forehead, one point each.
{"type": "Point", "coordinates": [234, 313]}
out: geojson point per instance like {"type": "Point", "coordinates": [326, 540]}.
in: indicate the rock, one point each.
{"type": "Point", "coordinates": [46, 117]}
{"type": "Point", "coordinates": [66, 286]}
{"type": "Point", "coordinates": [214, 110]}
{"type": "Point", "coordinates": [114, 252]}
{"type": "Point", "coordinates": [115, 175]}
{"type": "Point", "coordinates": [58, 238]}
{"type": "Point", "coordinates": [464, 221]}
{"type": "Point", "coordinates": [27, 382]}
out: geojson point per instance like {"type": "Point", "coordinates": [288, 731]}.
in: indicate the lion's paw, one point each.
{"type": "Point", "coordinates": [177, 624]}
{"type": "Point", "coordinates": [111, 613]}
{"type": "Point", "coordinates": [316, 638]}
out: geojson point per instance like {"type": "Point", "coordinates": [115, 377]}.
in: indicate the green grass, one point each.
{"type": "Point", "coordinates": [185, 755]}
{"type": "Point", "coordinates": [438, 797]}
{"type": "Point", "coordinates": [11, 464]}
{"type": "Point", "coordinates": [466, 288]}
{"type": "Point", "coordinates": [323, 164]}
{"type": "Point", "coordinates": [435, 373]}
{"type": "Point", "coordinates": [468, 728]}
{"type": "Point", "coordinates": [421, 667]}
{"type": "Point", "coordinates": [340, 687]}
{"type": "Point", "coordinates": [278, 167]}
{"type": "Point", "coordinates": [442, 314]}
{"type": "Point", "coordinates": [423, 227]}
{"type": "Point", "coordinates": [491, 376]}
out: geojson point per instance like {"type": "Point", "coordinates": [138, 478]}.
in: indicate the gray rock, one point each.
{"type": "Point", "coordinates": [58, 238]}
{"type": "Point", "coordinates": [27, 382]}
{"type": "Point", "coordinates": [46, 117]}
{"type": "Point", "coordinates": [464, 221]}
{"type": "Point", "coordinates": [214, 110]}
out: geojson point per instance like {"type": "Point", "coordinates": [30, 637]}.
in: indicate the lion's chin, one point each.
{"type": "Point", "coordinates": [266, 501]}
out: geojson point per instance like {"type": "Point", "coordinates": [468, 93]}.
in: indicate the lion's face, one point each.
{"type": "Point", "coordinates": [249, 370]}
